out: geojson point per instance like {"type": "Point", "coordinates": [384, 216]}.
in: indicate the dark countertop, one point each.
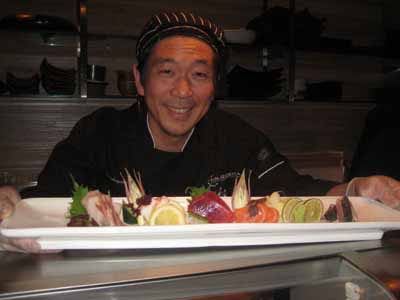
{"type": "Point", "coordinates": [26, 276]}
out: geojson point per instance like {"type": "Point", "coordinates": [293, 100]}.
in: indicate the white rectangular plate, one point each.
{"type": "Point", "coordinates": [45, 219]}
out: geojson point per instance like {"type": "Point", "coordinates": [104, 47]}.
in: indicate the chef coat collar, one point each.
{"type": "Point", "coordinates": [153, 139]}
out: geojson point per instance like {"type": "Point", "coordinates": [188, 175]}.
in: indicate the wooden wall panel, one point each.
{"type": "Point", "coordinates": [128, 17]}
{"type": "Point", "coordinates": [310, 127]}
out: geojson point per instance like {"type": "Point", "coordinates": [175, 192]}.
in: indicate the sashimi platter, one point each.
{"type": "Point", "coordinates": [93, 220]}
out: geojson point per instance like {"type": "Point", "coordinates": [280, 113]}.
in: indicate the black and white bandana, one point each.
{"type": "Point", "coordinates": [179, 23]}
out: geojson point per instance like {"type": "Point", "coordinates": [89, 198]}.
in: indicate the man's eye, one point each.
{"type": "Point", "coordinates": [201, 75]}
{"type": "Point", "coordinates": [166, 71]}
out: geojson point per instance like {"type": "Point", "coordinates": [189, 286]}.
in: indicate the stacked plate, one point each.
{"type": "Point", "coordinates": [57, 81]}
{"type": "Point", "coordinates": [23, 86]}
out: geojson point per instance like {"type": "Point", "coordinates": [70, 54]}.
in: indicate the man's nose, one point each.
{"type": "Point", "coordinates": [182, 88]}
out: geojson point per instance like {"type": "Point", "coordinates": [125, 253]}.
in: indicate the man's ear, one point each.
{"type": "Point", "coordinates": [138, 80]}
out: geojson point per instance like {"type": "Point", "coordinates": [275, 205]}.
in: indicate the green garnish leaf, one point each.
{"type": "Point", "coordinates": [196, 191]}
{"type": "Point", "coordinates": [78, 193]}
{"type": "Point", "coordinates": [128, 215]}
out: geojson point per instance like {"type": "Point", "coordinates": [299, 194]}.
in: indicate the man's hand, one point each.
{"type": "Point", "coordinates": [9, 197]}
{"type": "Point", "coordinates": [381, 188]}
{"type": "Point", "coordinates": [19, 245]}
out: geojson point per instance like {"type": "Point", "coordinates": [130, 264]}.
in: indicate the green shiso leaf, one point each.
{"type": "Point", "coordinates": [78, 193]}
{"type": "Point", "coordinates": [194, 191]}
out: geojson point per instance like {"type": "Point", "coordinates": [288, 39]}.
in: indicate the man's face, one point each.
{"type": "Point", "coordinates": [178, 86]}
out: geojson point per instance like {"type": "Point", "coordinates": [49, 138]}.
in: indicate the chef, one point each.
{"type": "Point", "coordinates": [174, 135]}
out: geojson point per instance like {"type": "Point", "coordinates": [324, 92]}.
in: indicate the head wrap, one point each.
{"type": "Point", "coordinates": [178, 23]}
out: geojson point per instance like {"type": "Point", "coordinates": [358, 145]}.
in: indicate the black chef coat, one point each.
{"type": "Point", "coordinates": [108, 141]}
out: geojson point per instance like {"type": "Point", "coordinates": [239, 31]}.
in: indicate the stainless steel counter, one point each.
{"type": "Point", "coordinates": [382, 264]}
{"type": "Point", "coordinates": [123, 274]}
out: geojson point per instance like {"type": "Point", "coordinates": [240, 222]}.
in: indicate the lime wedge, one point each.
{"type": "Point", "coordinates": [313, 210]}
{"type": "Point", "coordinates": [297, 213]}
{"type": "Point", "coordinates": [287, 208]}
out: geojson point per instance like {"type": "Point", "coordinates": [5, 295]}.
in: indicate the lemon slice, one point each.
{"type": "Point", "coordinates": [177, 205]}
{"type": "Point", "coordinates": [168, 214]}
{"type": "Point", "coordinates": [288, 207]}
{"type": "Point", "coordinates": [313, 210]}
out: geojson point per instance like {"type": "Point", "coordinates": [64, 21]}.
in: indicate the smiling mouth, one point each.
{"type": "Point", "coordinates": [179, 110]}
